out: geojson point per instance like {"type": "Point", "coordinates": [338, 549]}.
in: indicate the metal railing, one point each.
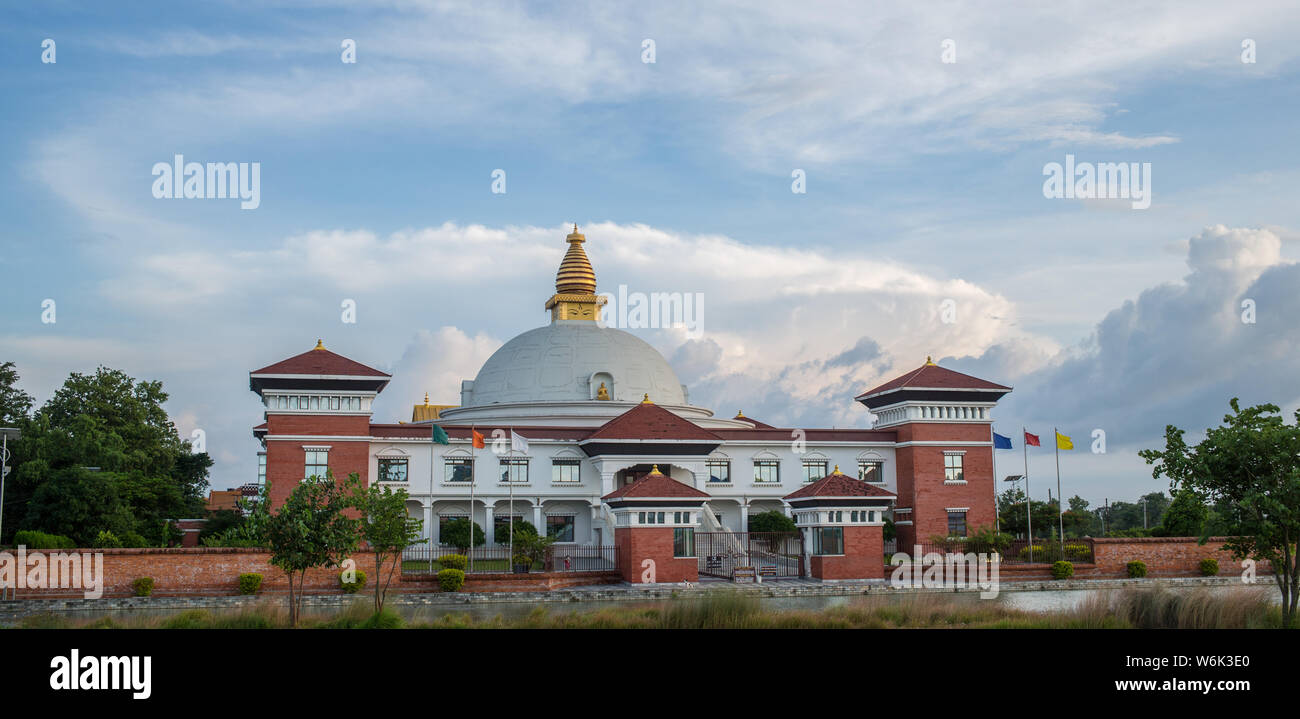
{"type": "Point", "coordinates": [492, 560]}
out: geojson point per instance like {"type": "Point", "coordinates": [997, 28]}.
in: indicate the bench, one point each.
{"type": "Point", "coordinates": [744, 574]}
{"type": "Point", "coordinates": [767, 570]}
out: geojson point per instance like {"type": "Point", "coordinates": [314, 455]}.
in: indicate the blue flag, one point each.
{"type": "Point", "coordinates": [1000, 442]}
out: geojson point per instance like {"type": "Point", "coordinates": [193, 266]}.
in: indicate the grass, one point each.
{"type": "Point", "coordinates": [1240, 608]}
{"type": "Point", "coordinates": [480, 565]}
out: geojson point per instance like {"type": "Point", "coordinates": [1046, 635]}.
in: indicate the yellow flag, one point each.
{"type": "Point", "coordinates": [1063, 442]}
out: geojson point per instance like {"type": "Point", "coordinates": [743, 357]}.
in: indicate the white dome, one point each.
{"type": "Point", "coordinates": [567, 361]}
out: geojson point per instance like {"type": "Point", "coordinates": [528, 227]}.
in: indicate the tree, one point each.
{"type": "Point", "coordinates": [456, 534]}
{"type": "Point", "coordinates": [1252, 461]}
{"type": "Point", "coordinates": [522, 528]}
{"type": "Point", "coordinates": [771, 521]}
{"type": "Point", "coordinates": [1186, 516]}
{"type": "Point", "coordinates": [308, 531]}
{"type": "Point", "coordinates": [15, 404]}
{"type": "Point", "coordinates": [221, 521]}
{"type": "Point", "coordinates": [386, 528]}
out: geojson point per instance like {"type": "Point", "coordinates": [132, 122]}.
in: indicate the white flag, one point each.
{"type": "Point", "coordinates": [518, 443]}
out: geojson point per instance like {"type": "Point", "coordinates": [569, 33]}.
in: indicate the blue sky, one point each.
{"type": "Point", "coordinates": [924, 183]}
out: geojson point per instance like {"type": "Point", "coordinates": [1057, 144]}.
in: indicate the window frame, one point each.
{"type": "Point", "coordinates": [819, 541]}
{"type": "Point", "coordinates": [879, 464]}
{"type": "Point", "coordinates": [725, 464]}
{"type": "Point", "coordinates": [505, 467]}
{"type": "Point", "coordinates": [806, 464]}
{"type": "Point", "coordinates": [449, 462]}
{"type": "Point", "coordinates": [405, 462]}
{"type": "Point", "coordinates": [954, 464]}
{"type": "Point", "coordinates": [565, 462]}
{"type": "Point", "coordinates": [773, 464]}
{"type": "Point", "coordinates": [315, 453]}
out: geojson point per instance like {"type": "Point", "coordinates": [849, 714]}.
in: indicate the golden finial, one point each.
{"type": "Point", "coordinates": [740, 413]}
{"type": "Point", "coordinates": [646, 399]}
{"type": "Point", "coordinates": [319, 345]}
{"type": "Point", "coordinates": [837, 469]}
{"type": "Point", "coordinates": [575, 228]}
{"type": "Point", "coordinates": [426, 399]}
{"type": "Point", "coordinates": [929, 362]}
{"type": "Point", "coordinates": [655, 470]}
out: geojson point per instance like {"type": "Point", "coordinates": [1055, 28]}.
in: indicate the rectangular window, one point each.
{"type": "Point", "coordinates": [719, 471]}
{"type": "Point", "coordinates": [392, 469]}
{"type": "Point", "coordinates": [952, 468]}
{"type": "Point", "coordinates": [956, 524]}
{"type": "Point", "coordinates": [458, 469]}
{"type": "Point", "coordinates": [828, 540]}
{"type": "Point", "coordinates": [317, 463]}
{"type": "Point", "coordinates": [813, 470]}
{"type": "Point", "coordinates": [870, 470]}
{"type": "Point", "coordinates": [684, 542]}
{"type": "Point", "coordinates": [565, 470]}
{"type": "Point", "coordinates": [560, 527]}
{"type": "Point", "coordinates": [514, 469]}
{"type": "Point", "coordinates": [261, 468]}
{"type": "Point", "coordinates": [767, 471]}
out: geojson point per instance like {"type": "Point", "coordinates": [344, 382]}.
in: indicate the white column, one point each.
{"type": "Point", "coordinates": [489, 527]}
{"type": "Point", "coordinates": [606, 482]}
{"type": "Point", "coordinates": [430, 529]}
{"type": "Point", "coordinates": [591, 524]}
{"type": "Point", "coordinates": [744, 515]}
{"type": "Point", "coordinates": [537, 518]}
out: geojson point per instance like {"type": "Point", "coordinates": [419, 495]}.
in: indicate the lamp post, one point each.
{"type": "Point", "coordinates": [1015, 480]}
{"type": "Point", "coordinates": [5, 434]}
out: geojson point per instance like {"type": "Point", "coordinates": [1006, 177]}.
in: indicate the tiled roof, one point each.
{"type": "Point", "coordinates": [650, 421]}
{"type": "Point", "coordinates": [757, 425]}
{"type": "Point", "coordinates": [812, 435]}
{"type": "Point", "coordinates": [655, 485]}
{"type": "Point", "coordinates": [423, 431]}
{"type": "Point", "coordinates": [932, 376]}
{"type": "Point", "coordinates": [838, 484]}
{"type": "Point", "coordinates": [320, 362]}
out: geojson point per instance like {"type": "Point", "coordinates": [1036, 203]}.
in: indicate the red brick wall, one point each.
{"type": "Point", "coordinates": [285, 459]}
{"type": "Point", "coordinates": [863, 548]}
{"type": "Point", "coordinates": [636, 544]}
{"type": "Point", "coordinates": [201, 571]}
{"type": "Point", "coordinates": [533, 582]}
{"type": "Point", "coordinates": [920, 479]}
{"type": "Point", "coordinates": [1171, 556]}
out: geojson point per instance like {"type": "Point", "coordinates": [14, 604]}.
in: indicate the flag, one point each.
{"type": "Point", "coordinates": [1000, 442]}
{"type": "Point", "coordinates": [518, 443]}
{"type": "Point", "coordinates": [477, 439]}
{"type": "Point", "coordinates": [1031, 440]}
{"type": "Point", "coordinates": [440, 435]}
{"type": "Point", "coordinates": [1063, 442]}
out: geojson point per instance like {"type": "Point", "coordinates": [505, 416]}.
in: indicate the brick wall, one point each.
{"type": "Point", "coordinates": [921, 479]}
{"type": "Point", "coordinates": [532, 582]}
{"type": "Point", "coordinates": [862, 546]}
{"type": "Point", "coordinates": [638, 544]}
{"type": "Point", "coordinates": [201, 571]}
{"type": "Point", "coordinates": [285, 459]}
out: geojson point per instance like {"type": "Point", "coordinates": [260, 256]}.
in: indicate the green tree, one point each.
{"type": "Point", "coordinates": [386, 528]}
{"type": "Point", "coordinates": [1252, 460]}
{"type": "Point", "coordinates": [15, 404]}
{"type": "Point", "coordinates": [1186, 516]}
{"type": "Point", "coordinates": [456, 534]}
{"type": "Point", "coordinates": [771, 521]}
{"type": "Point", "coordinates": [308, 531]}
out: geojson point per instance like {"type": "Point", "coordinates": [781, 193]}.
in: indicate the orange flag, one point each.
{"type": "Point", "coordinates": [478, 439]}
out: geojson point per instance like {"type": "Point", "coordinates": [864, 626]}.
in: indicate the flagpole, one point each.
{"type": "Point", "coordinates": [473, 469]}
{"type": "Point", "coordinates": [510, 546]}
{"type": "Point", "coordinates": [1029, 502]}
{"type": "Point", "coordinates": [1060, 498]}
{"type": "Point", "coordinates": [997, 515]}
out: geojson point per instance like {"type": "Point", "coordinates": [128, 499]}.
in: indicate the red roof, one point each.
{"type": "Point", "coordinates": [812, 435]}
{"type": "Point", "coordinates": [838, 484]}
{"type": "Point", "coordinates": [650, 421]}
{"type": "Point", "coordinates": [423, 431]}
{"type": "Point", "coordinates": [751, 420]}
{"type": "Point", "coordinates": [655, 485]}
{"type": "Point", "coordinates": [321, 362]}
{"type": "Point", "coordinates": [932, 376]}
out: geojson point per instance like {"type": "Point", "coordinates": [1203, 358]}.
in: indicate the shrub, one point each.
{"type": "Point", "coordinates": [1078, 552]}
{"type": "Point", "coordinates": [106, 539]}
{"type": "Point", "coordinates": [354, 586]}
{"type": "Point", "coordinates": [451, 580]}
{"type": "Point", "coordinates": [1209, 567]}
{"type": "Point", "coordinates": [1137, 569]}
{"type": "Point", "coordinates": [143, 586]}
{"type": "Point", "coordinates": [1040, 553]}
{"type": "Point", "coordinates": [385, 619]}
{"type": "Point", "coordinates": [454, 561]}
{"type": "Point", "coordinates": [250, 583]}
{"type": "Point", "coordinates": [41, 540]}
{"type": "Point", "coordinates": [1062, 570]}
{"type": "Point", "coordinates": [522, 559]}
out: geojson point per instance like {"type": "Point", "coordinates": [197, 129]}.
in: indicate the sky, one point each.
{"type": "Point", "coordinates": [920, 133]}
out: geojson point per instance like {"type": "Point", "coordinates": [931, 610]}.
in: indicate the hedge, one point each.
{"type": "Point", "coordinates": [1209, 567]}
{"type": "Point", "coordinates": [454, 561]}
{"type": "Point", "coordinates": [354, 586]}
{"type": "Point", "coordinates": [250, 583]}
{"type": "Point", "coordinates": [1062, 570]}
{"type": "Point", "coordinates": [1137, 569]}
{"type": "Point", "coordinates": [143, 586]}
{"type": "Point", "coordinates": [451, 580]}
{"type": "Point", "coordinates": [40, 540]}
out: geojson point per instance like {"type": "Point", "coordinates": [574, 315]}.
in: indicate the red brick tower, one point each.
{"type": "Point", "coordinates": [655, 525]}
{"type": "Point", "coordinates": [944, 450]}
{"type": "Point", "coordinates": [317, 414]}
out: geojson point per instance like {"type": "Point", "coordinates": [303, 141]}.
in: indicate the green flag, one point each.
{"type": "Point", "coordinates": [440, 435]}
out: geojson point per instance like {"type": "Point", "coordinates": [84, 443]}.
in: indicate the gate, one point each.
{"type": "Point", "coordinates": [772, 555]}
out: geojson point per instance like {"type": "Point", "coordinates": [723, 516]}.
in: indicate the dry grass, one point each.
{"type": "Point", "coordinates": [1243, 608]}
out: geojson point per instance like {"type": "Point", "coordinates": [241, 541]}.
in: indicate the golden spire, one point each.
{"type": "Point", "coordinates": [740, 413]}
{"type": "Point", "coordinates": [319, 345]}
{"type": "Point", "coordinates": [837, 469]}
{"type": "Point", "coordinates": [929, 362]}
{"type": "Point", "coordinates": [646, 399]}
{"type": "Point", "coordinates": [426, 399]}
{"type": "Point", "coordinates": [575, 284]}
{"type": "Point", "coordinates": [655, 470]}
